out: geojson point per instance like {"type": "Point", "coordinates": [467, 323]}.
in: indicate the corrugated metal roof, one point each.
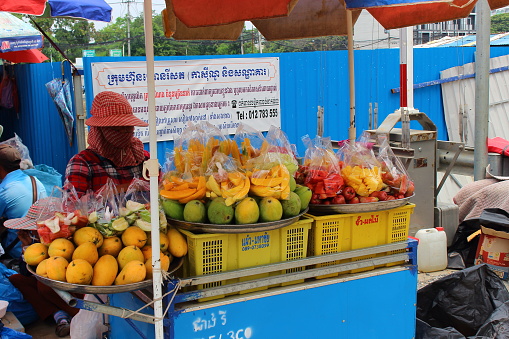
{"type": "Point", "coordinates": [501, 39]}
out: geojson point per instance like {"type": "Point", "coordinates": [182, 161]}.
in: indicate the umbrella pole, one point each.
{"type": "Point", "coordinates": [482, 93]}
{"type": "Point", "coordinates": [153, 169]}
{"type": "Point", "coordinates": [351, 75]}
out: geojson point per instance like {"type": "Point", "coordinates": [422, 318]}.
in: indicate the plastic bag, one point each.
{"type": "Point", "coordinates": [225, 179]}
{"type": "Point", "coordinates": [88, 324]}
{"type": "Point", "coordinates": [9, 333]}
{"type": "Point", "coordinates": [105, 208]}
{"type": "Point", "coordinates": [26, 161]}
{"type": "Point", "coordinates": [360, 168]}
{"type": "Point", "coordinates": [195, 147]}
{"type": "Point", "coordinates": [17, 304]}
{"type": "Point", "coordinates": [135, 208]}
{"type": "Point", "coordinates": [251, 142]}
{"type": "Point", "coordinates": [461, 302]}
{"type": "Point", "coordinates": [61, 214]}
{"type": "Point", "coordinates": [394, 174]}
{"type": "Point", "coordinates": [47, 175]}
{"type": "Point", "coordinates": [321, 172]}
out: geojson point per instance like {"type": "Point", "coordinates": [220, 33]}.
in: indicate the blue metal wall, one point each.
{"type": "Point", "coordinates": [308, 80]}
{"type": "Point", "coordinates": [38, 123]}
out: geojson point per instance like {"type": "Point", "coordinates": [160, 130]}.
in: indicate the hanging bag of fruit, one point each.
{"type": "Point", "coordinates": [360, 170]}
{"type": "Point", "coordinates": [250, 142]}
{"type": "Point", "coordinates": [320, 172]}
{"type": "Point", "coordinates": [397, 182]}
{"type": "Point", "coordinates": [104, 214]}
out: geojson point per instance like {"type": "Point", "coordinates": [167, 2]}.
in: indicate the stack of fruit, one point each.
{"type": "Point", "coordinates": [88, 258]}
{"type": "Point", "coordinates": [264, 204]}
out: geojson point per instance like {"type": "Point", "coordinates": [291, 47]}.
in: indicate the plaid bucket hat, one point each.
{"type": "Point", "coordinates": [28, 222]}
{"type": "Point", "coordinates": [110, 109]}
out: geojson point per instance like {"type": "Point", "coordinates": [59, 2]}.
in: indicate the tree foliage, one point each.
{"type": "Point", "coordinates": [500, 23]}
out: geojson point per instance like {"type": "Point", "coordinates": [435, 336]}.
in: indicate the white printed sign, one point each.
{"type": "Point", "coordinates": [224, 92]}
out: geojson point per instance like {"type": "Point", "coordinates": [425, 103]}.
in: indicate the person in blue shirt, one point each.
{"type": "Point", "coordinates": [16, 195]}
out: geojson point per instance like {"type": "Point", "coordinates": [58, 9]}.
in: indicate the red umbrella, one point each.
{"type": "Point", "coordinates": [29, 55]}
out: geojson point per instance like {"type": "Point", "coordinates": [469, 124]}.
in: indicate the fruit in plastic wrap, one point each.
{"type": "Point", "coordinates": [363, 180]}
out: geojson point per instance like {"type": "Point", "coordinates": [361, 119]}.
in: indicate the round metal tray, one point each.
{"type": "Point", "coordinates": [89, 289]}
{"type": "Point", "coordinates": [246, 228]}
{"type": "Point", "coordinates": [358, 208]}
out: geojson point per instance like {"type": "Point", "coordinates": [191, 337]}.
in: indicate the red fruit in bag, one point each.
{"type": "Point", "coordinates": [319, 188]}
{"type": "Point", "coordinates": [348, 193]}
{"type": "Point", "coordinates": [354, 200]}
{"type": "Point", "coordinates": [364, 200]}
{"type": "Point", "coordinates": [338, 199]}
{"type": "Point", "coordinates": [381, 195]}
{"type": "Point", "coordinates": [322, 196]}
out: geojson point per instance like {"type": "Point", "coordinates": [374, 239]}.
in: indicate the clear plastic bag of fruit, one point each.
{"type": "Point", "coordinates": [104, 215]}
{"type": "Point", "coordinates": [59, 217]}
{"type": "Point", "coordinates": [226, 179]}
{"type": "Point", "coordinates": [271, 170]}
{"type": "Point", "coordinates": [196, 146]}
{"type": "Point", "coordinates": [320, 171]}
{"type": "Point", "coordinates": [249, 143]}
{"type": "Point", "coordinates": [360, 168]}
{"type": "Point", "coordinates": [394, 174]}
{"type": "Point", "coordinates": [135, 207]}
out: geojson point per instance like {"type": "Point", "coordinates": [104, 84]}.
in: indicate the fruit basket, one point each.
{"type": "Point", "coordinates": [357, 208]}
{"type": "Point", "coordinates": [89, 289]}
{"type": "Point", "coordinates": [245, 228]}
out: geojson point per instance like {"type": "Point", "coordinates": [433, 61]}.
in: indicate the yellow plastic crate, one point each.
{"type": "Point", "coordinates": [344, 232]}
{"type": "Point", "coordinates": [213, 253]}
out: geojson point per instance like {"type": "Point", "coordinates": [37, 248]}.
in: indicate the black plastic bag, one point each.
{"type": "Point", "coordinates": [462, 252]}
{"type": "Point", "coordinates": [462, 302]}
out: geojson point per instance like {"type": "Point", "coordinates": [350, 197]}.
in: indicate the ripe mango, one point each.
{"type": "Point", "coordinates": [88, 234]}
{"type": "Point", "coordinates": [133, 272]}
{"type": "Point", "coordinates": [35, 253]}
{"type": "Point", "coordinates": [80, 272]}
{"type": "Point", "coordinates": [247, 212]}
{"type": "Point", "coordinates": [61, 247]}
{"type": "Point", "coordinates": [270, 209]}
{"type": "Point", "coordinates": [173, 208]}
{"type": "Point", "coordinates": [86, 251]}
{"type": "Point", "coordinates": [194, 211]}
{"type": "Point", "coordinates": [163, 241]}
{"type": "Point", "coordinates": [165, 264]}
{"type": "Point", "coordinates": [56, 268]}
{"type": "Point", "coordinates": [178, 243]}
{"type": "Point", "coordinates": [134, 236]}
{"type": "Point", "coordinates": [128, 254]}
{"type": "Point", "coordinates": [41, 268]}
{"type": "Point", "coordinates": [105, 271]}
{"type": "Point", "coordinates": [111, 245]}
{"type": "Point", "coordinates": [291, 207]}
{"type": "Point", "coordinates": [220, 214]}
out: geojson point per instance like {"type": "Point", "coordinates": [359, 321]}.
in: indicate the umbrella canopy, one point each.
{"type": "Point", "coordinates": [17, 35]}
{"type": "Point", "coordinates": [97, 10]}
{"type": "Point", "coordinates": [27, 56]}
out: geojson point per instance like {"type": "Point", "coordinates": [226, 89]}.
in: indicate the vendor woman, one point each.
{"type": "Point", "coordinates": [113, 151]}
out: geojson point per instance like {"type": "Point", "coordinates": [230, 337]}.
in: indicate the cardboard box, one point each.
{"type": "Point", "coordinates": [10, 321]}
{"type": "Point", "coordinates": [493, 250]}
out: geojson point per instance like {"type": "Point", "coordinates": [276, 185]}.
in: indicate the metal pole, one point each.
{"type": "Point", "coordinates": [153, 171]}
{"type": "Point", "coordinates": [351, 75]}
{"type": "Point", "coordinates": [128, 28]}
{"type": "Point", "coordinates": [482, 82]}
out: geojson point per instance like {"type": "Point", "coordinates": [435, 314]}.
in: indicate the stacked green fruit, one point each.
{"type": "Point", "coordinates": [249, 210]}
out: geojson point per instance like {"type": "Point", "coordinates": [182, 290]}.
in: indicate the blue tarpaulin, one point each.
{"type": "Point", "coordinates": [97, 10]}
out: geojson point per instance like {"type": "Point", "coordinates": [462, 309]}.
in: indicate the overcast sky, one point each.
{"type": "Point", "coordinates": [119, 9]}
